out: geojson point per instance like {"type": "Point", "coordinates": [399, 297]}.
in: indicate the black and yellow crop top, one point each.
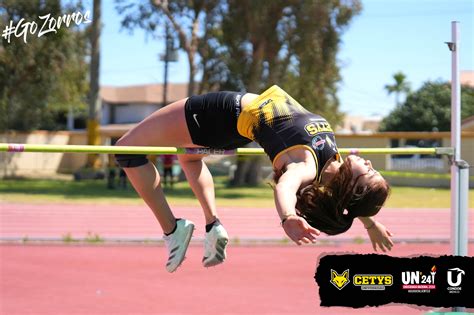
{"type": "Point", "coordinates": [279, 123]}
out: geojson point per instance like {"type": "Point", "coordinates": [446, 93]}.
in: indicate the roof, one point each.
{"type": "Point", "coordinates": [467, 78]}
{"type": "Point", "coordinates": [357, 124]}
{"type": "Point", "coordinates": [148, 93]}
{"type": "Point", "coordinates": [468, 124]}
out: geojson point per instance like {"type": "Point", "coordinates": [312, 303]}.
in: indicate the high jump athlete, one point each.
{"type": "Point", "coordinates": [315, 190]}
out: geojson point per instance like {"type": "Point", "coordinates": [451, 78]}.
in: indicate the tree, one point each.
{"type": "Point", "coordinates": [316, 42]}
{"type": "Point", "coordinates": [398, 87]}
{"type": "Point", "coordinates": [281, 42]}
{"type": "Point", "coordinates": [185, 16]}
{"type": "Point", "coordinates": [93, 121]}
{"type": "Point", "coordinates": [428, 109]}
{"type": "Point", "coordinates": [246, 45]}
{"type": "Point", "coordinates": [39, 79]}
{"type": "Point", "coordinates": [250, 57]}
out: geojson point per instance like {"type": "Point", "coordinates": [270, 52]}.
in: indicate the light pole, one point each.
{"type": "Point", "coordinates": [170, 55]}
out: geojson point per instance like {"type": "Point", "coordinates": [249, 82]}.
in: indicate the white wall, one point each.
{"type": "Point", "coordinates": [105, 114]}
{"type": "Point", "coordinates": [133, 113]}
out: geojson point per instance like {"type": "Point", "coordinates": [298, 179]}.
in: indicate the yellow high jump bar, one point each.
{"type": "Point", "coordinates": [93, 149]}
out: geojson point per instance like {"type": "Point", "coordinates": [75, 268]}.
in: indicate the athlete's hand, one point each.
{"type": "Point", "coordinates": [299, 231]}
{"type": "Point", "coordinates": [380, 237]}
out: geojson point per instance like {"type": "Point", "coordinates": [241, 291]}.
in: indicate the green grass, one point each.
{"type": "Point", "coordinates": [95, 191]}
{"type": "Point", "coordinates": [415, 175]}
{"type": "Point", "coordinates": [68, 238]}
{"type": "Point", "coordinates": [419, 197]}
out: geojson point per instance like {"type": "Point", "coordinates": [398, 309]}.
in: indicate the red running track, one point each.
{"type": "Point", "coordinates": [93, 280]}
{"type": "Point", "coordinates": [19, 221]}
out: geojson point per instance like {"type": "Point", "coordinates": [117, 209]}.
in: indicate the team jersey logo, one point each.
{"type": "Point", "coordinates": [318, 143]}
{"type": "Point", "coordinates": [313, 128]}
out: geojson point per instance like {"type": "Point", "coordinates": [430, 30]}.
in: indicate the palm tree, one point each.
{"type": "Point", "coordinates": [400, 86]}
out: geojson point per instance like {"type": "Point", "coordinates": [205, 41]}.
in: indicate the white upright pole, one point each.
{"type": "Point", "coordinates": [455, 136]}
{"type": "Point", "coordinates": [459, 168]}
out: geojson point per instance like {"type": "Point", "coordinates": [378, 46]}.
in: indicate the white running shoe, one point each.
{"type": "Point", "coordinates": [214, 246]}
{"type": "Point", "coordinates": [177, 243]}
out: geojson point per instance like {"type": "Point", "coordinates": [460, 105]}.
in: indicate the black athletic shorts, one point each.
{"type": "Point", "coordinates": [212, 120]}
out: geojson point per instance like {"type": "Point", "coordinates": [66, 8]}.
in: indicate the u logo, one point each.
{"type": "Point", "coordinates": [459, 273]}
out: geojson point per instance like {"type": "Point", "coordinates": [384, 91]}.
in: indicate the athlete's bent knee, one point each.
{"type": "Point", "coordinates": [185, 158]}
{"type": "Point", "coordinates": [131, 160]}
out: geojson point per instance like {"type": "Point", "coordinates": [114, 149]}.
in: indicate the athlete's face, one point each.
{"type": "Point", "coordinates": [363, 170]}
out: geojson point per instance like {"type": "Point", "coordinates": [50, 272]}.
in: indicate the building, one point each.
{"type": "Point", "coordinates": [123, 107]}
{"type": "Point", "coordinates": [468, 124]}
{"type": "Point", "coordinates": [467, 77]}
{"type": "Point", "coordinates": [353, 124]}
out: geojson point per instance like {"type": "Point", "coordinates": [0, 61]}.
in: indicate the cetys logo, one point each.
{"type": "Point", "coordinates": [372, 282]}
{"type": "Point", "coordinates": [340, 280]}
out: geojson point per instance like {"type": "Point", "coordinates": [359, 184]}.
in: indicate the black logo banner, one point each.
{"type": "Point", "coordinates": [356, 280]}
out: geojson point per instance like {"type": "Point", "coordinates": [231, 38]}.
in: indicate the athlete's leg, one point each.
{"type": "Point", "coordinates": [201, 182]}
{"type": "Point", "coordinates": [165, 127]}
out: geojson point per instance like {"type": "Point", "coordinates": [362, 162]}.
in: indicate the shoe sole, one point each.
{"type": "Point", "coordinates": [220, 255]}
{"type": "Point", "coordinates": [186, 244]}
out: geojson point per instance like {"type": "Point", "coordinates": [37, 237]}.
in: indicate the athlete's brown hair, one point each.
{"type": "Point", "coordinates": [332, 208]}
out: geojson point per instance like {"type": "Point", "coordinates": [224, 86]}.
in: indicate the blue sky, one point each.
{"type": "Point", "coordinates": [388, 36]}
